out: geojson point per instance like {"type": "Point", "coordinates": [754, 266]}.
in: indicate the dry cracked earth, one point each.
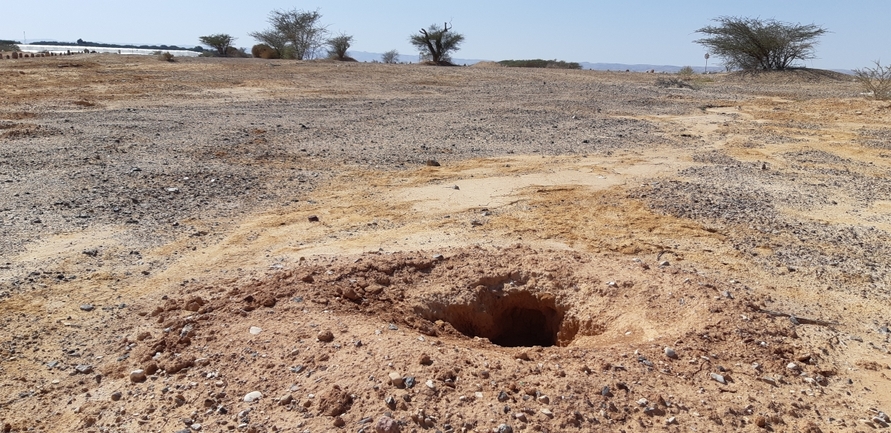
{"type": "Point", "coordinates": [275, 246]}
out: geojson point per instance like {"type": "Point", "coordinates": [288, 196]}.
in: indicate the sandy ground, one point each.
{"type": "Point", "coordinates": [410, 248]}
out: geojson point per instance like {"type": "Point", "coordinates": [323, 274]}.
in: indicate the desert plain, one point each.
{"type": "Point", "coordinates": [256, 245]}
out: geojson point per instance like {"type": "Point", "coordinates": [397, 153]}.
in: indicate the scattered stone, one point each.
{"type": "Point", "coordinates": [252, 396]}
{"type": "Point", "coordinates": [87, 307]}
{"type": "Point", "coordinates": [430, 384]}
{"type": "Point", "coordinates": [606, 392]}
{"type": "Point", "coordinates": [115, 396]}
{"type": "Point", "coordinates": [520, 416]}
{"type": "Point", "coordinates": [718, 378]}
{"type": "Point", "coordinates": [425, 360]}
{"type": "Point", "coordinates": [83, 369]}
{"type": "Point", "coordinates": [326, 336]}
{"type": "Point", "coordinates": [671, 421]}
{"type": "Point", "coordinates": [386, 424]}
{"type": "Point", "coordinates": [138, 376]}
{"type": "Point", "coordinates": [339, 422]}
{"type": "Point", "coordinates": [397, 380]}
{"type": "Point", "coordinates": [669, 352]}
{"type": "Point", "coordinates": [255, 330]}
{"type": "Point", "coordinates": [547, 413]}
{"type": "Point", "coordinates": [769, 380]}
{"type": "Point", "coordinates": [543, 399]}
{"type": "Point", "coordinates": [286, 400]}
{"type": "Point", "coordinates": [410, 382]}
{"type": "Point", "coordinates": [504, 428]}
{"type": "Point", "coordinates": [761, 421]}
{"type": "Point", "coordinates": [502, 396]}
{"type": "Point", "coordinates": [792, 366]}
{"type": "Point", "coordinates": [392, 327]}
{"type": "Point", "coordinates": [91, 252]}
{"type": "Point", "coordinates": [313, 218]}
{"type": "Point", "coordinates": [432, 163]}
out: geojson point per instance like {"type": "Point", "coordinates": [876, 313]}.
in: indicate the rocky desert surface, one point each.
{"type": "Point", "coordinates": [248, 245]}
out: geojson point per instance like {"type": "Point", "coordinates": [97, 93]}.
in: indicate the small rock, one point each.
{"type": "Point", "coordinates": [669, 352]}
{"type": "Point", "coordinates": [769, 380]}
{"type": "Point", "coordinates": [286, 400]}
{"type": "Point", "coordinates": [339, 422]}
{"type": "Point", "coordinates": [84, 369]}
{"type": "Point", "coordinates": [432, 163]}
{"type": "Point", "coordinates": [430, 384]}
{"type": "Point", "coordinates": [792, 366]}
{"type": "Point", "coordinates": [252, 396]}
{"type": "Point", "coordinates": [115, 396]}
{"type": "Point", "coordinates": [326, 336]}
{"type": "Point", "coordinates": [504, 428]}
{"type": "Point", "coordinates": [410, 382]}
{"type": "Point", "coordinates": [502, 396]}
{"type": "Point", "coordinates": [392, 327]}
{"type": "Point", "coordinates": [606, 392]}
{"type": "Point", "coordinates": [313, 218]}
{"type": "Point", "coordinates": [255, 330]}
{"type": "Point", "coordinates": [87, 307]}
{"type": "Point", "coordinates": [520, 416]}
{"type": "Point", "coordinates": [137, 376]}
{"type": "Point", "coordinates": [543, 399]}
{"type": "Point", "coordinates": [386, 424]}
{"type": "Point", "coordinates": [671, 421]}
{"type": "Point", "coordinates": [547, 413]}
{"type": "Point", "coordinates": [664, 263]}
{"type": "Point", "coordinates": [425, 360]}
{"type": "Point", "coordinates": [718, 378]}
{"type": "Point", "coordinates": [397, 380]}
{"type": "Point", "coordinates": [196, 426]}
{"type": "Point", "coordinates": [91, 252]}
{"type": "Point", "coordinates": [761, 421]}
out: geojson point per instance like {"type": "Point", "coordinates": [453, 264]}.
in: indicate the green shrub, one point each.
{"type": "Point", "coordinates": [686, 71]}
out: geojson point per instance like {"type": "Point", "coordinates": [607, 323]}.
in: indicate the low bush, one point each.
{"type": "Point", "coordinates": [167, 57]}
{"type": "Point", "coordinates": [668, 82]}
{"type": "Point", "coordinates": [263, 51]}
{"type": "Point", "coordinates": [875, 81]}
{"type": "Point", "coordinates": [539, 63]}
{"type": "Point", "coordinates": [686, 71]}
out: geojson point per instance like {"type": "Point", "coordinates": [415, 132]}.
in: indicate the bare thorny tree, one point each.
{"type": "Point", "coordinates": [437, 42]}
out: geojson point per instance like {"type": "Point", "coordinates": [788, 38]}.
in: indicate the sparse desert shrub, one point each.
{"type": "Point", "coordinates": [220, 42]}
{"type": "Point", "coordinates": [338, 46]}
{"type": "Point", "coordinates": [167, 57]}
{"type": "Point", "coordinates": [686, 71]}
{"type": "Point", "coordinates": [236, 52]}
{"type": "Point", "coordinates": [667, 82]}
{"type": "Point", "coordinates": [539, 63]}
{"type": "Point", "coordinates": [876, 81]}
{"type": "Point", "coordinates": [296, 34]}
{"type": "Point", "coordinates": [263, 51]}
{"type": "Point", "coordinates": [391, 56]}
{"type": "Point", "coordinates": [764, 44]}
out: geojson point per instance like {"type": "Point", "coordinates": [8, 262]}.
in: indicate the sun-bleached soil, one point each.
{"type": "Point", "coordinates": [260, 246]}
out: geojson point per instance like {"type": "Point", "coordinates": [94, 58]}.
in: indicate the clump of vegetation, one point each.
{"type": "Point", "coordinates": [391, 56]}
{"type": "Point", "coordinates": [539, 63]}
{"type": "Point", "coordinates": [338, 46]}
{"type": "Point", "coordinates": [263, 51]}
{"type": "Point", "coordinates": [437, 43]}
{"type": "Point", "coordinates": [686, 71]}
{"type": "Point", "coordinates": [295, 34]}
{"type": "Point", "coordinates": [220, 42]}
{"type": "Point", "coordinates": [756, 44]}
{"type": "Point", "coordinates": [9, 46]}
{"type": "Point", "coordinates": [674, 82]}
{"type": "Point", "coordinates": [876, 81]}
{"type": "Point", "coordinates": [166, 56]}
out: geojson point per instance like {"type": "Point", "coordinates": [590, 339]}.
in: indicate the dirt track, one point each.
{"type": "Point", "coordinates": [579, 224]}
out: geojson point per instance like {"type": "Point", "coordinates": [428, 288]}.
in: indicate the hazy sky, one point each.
{"type": "Point", "coordinates": [630, 31]}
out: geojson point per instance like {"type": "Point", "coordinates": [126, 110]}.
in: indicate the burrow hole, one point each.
{"type": "Point", "coordinates": [509, 319]}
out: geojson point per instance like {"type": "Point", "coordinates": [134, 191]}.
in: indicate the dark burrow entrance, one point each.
{"type": "Point", "coordinates": [515, 319]}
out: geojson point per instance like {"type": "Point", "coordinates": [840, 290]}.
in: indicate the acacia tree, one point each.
{"type": "Point", "coordinates": [221, 42]}
{"type": "Point", "coordinates": [338, 46]}
{"type": "Point", "coordinates": [391, 56]}
{"type": "Point", "coordinates": [753, 43]}
{"type": "Point", "coordinates": [294, 32]}
{"type": "Point", "coordinates": [437, 42]}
